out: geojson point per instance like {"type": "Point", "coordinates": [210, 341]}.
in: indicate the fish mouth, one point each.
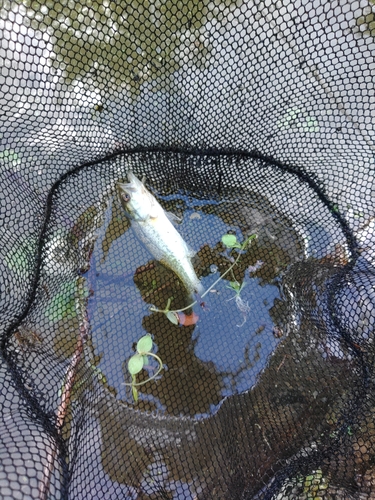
{"type": "Point", "coordinates": [131, 187]}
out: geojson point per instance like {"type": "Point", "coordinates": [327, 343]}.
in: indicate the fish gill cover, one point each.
{"type": "Point", "coordinates": [251, 124]}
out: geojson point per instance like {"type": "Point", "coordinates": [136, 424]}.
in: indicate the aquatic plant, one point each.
{"type": "Point", "coordinates": [231, 242]}
{"type": "Point", "coordinates": [242, 306]}
{"type": "Point", "coordinates": [139, 360]}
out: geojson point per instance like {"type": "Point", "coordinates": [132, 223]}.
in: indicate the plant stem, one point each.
{"type": "Point", "coordinates": [166, 310]}
{"type": "Point", "coordinates": [136, 384]}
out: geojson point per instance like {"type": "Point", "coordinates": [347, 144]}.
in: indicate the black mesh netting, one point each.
{"type": "Point", "coordinates": [248, 120]}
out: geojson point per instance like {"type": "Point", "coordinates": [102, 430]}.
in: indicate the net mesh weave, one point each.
{"type": "Point", "coordinates": [244, 117]}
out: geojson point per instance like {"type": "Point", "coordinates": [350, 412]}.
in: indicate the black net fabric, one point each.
{"type": "Point", "coordinates": [252, 120]}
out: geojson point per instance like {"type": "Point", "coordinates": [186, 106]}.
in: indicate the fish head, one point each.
{"type": "Point", "coordinates": [135, 199]}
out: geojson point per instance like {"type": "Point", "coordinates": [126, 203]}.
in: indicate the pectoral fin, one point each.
{"type": "Point", "coordinates": [190, 253]}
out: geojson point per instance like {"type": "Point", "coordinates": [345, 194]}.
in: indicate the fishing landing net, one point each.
{"type": "Point", "coordinates": [250, 122]}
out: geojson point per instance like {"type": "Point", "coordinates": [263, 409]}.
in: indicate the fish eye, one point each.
{"type": "Point", "coordinates": [126, 197]}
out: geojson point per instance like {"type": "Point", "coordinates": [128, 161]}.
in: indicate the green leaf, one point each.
{"type": "Point", "coordinates": [144, 344]}
{"type": "Point", "coordinates": [230, 241]}
{"type": "Point", "coordinates": [249, 238]}
{"type": "Point", "coordinates": [20, 258]}
{"type": "Point", "coordinates": [10, 156]}
{"type": "Point", "coordinates": [135, 364]}
{"type": "Point", "coordinates": [173, 317]}
{"type": "Point", "coordinates": [235, 285]}
{"type": "Point", "coordinates": [62, 305]}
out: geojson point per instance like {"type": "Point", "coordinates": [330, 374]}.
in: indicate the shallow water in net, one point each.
{"type": "Point", "coordinates": [226, 338]}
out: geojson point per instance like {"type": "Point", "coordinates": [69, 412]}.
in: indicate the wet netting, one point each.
{"type": "Point", "coordinates": [221, 346]}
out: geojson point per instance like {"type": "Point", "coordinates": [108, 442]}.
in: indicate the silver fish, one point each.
{"type": "Point", "coordinates": [155, 230]}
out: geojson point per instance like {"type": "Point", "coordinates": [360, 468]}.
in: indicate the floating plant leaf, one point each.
{"type": "Point", "coordinates": [230, 241]}
{"type": "Point", "coordinates": [235, 286]}
{"type": "Point", "coordinates": [62, 305]}
{"type": "Point", "coordinates": [249, 238]}
{"type": "Point", "coordinates": [19, 258]}
{"type": "Point", "coordinates": [173, 317]}
{"type": "Point", "coordinates": [135, 364]}
{"type": "Point", "coordinates": [314, 483]}
{"type": "Point", "coordinates": [144, 344]}
{"type": "Point", "coordinates": [145, 360]}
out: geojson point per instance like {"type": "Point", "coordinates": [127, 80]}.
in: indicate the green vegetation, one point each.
{"type": "Point", "coordinates": [231, 242]}
{"type": "Point", "coordinates": [20, 258]}
{"type": "Point", "coordinates": [144, 346]}
{"type": "Point", "coordinates": [365, 24]}
{"type": "Point", "coordinates": [9, 156]}
{"type": "Point", "coordinates": [139, 360]}
{"type": "Point", "coordinates": [315, 484]}
{"type": "Point", "coordinates": [63, 304]}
